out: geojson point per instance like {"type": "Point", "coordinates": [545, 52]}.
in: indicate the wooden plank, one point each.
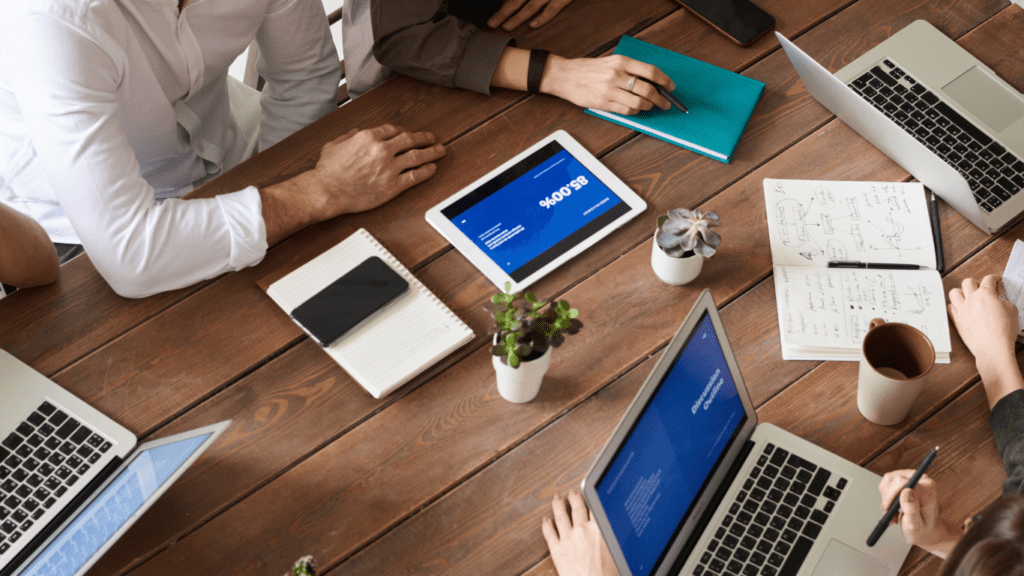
{"type": "Point", "coordinates": [49, 328]}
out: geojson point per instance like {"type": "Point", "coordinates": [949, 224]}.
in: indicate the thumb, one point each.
{"type": "Point", "coordinates": [911, 509]}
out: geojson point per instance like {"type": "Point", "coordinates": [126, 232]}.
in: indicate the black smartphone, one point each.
{"type": "Point", "coordinates": [740, 20]}
{"type": "Point", "coordinates": [349, 300]}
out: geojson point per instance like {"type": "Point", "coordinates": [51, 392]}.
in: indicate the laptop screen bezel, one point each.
{"type": "Point", "coordinates": [213, 431]}
{"type": "Point", "coordinates": [705, 305]}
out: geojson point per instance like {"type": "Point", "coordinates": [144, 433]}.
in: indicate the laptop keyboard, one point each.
{"type": "Point", "coordinates": [46, 454]}
{"type": "Point", "coordinates": [993, 173]}
{"type": "Point", "coordinates": [775, 519]}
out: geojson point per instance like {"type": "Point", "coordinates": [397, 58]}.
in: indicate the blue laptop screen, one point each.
{"type": "Point", "coordinates": [536, 211]}
{"type": "Point", "coordinates": [667, 458]}
{"type": "Point", "coordinates": [112, 507]}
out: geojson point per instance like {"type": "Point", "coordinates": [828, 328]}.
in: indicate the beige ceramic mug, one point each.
{"type": "Point", "coordinates": [894, 359]}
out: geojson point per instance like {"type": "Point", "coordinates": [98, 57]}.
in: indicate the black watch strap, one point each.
{"type": "Point", "coordinates": [538, 60]}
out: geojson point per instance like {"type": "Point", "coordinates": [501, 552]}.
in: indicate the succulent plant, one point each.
{"type": "Point", "coordinates": [681, 231]}
{"type": "Point", "coordinates": [304, 567]}
{"type": "Point", "coordinates": [523, 329]}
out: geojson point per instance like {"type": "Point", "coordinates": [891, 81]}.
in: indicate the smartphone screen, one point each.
{"type": "Point", "coordinates": [349, 300]}
{"type": "Point", "coordinates": [740, 20]}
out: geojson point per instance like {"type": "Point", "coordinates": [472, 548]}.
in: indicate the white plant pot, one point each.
{"type": "Point", "coordinates": [521, 384]}
{"type": "Point", "coordinates": [675, 271]}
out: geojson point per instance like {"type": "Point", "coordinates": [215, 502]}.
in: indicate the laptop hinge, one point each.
{"type": "Point", "coordinates": [70, 508]}
{"type": "Point", "coordinates": [705, 519]}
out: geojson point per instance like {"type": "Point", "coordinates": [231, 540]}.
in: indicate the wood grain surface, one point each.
{"type": "Point", "coordinates": [443, 476]}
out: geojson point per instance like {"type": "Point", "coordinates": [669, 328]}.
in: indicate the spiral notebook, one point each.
{"type": "Point", "coordinates": [398, 342]}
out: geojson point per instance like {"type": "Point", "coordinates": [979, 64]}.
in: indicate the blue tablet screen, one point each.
{"type": "Point", "coordinates": [536, 211]}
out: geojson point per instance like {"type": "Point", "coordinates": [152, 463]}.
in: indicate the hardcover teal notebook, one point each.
{"type": "Point", "coordinates": [720, 102]}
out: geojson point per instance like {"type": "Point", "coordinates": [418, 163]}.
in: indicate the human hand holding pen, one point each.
{"type": "Point", "coordinates": [920, 515]}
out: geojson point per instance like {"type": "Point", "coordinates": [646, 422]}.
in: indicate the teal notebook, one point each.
{"type": "Point", "coordinates": [720, 102]}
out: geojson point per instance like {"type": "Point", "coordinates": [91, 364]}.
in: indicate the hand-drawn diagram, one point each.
{"type": "Point", "coordinates": [860, 221]}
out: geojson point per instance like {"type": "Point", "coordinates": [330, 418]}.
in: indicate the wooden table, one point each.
{"type": "Point", "coordinates": [443, 476]}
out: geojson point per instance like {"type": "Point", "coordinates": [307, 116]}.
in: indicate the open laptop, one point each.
{"type": "Point", "coordinates": [691, 484]}
{"type": "Point", "coordinates": [72, 480]}
{"type": "Point", "coordinates": [938, 112]}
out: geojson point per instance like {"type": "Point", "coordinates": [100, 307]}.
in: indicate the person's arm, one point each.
{"type": "Point", "coordinates": [574, 539]}
{"type": "Point", "coordinates": [301, 67]}
{"type": "Point", "coordinates": [27, 257]}
{"type": "Point", "coordinates": [68, 87]}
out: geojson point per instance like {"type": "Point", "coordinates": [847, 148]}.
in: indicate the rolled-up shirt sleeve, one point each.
{"type": "Point", "coordinates": [418, 39]}
{"type": "Point", "coordinates": [1007, 423]}
{"type": "Point", "coordinates": [301, 67]}
{"type": "Point", "coordinates": [67, 81]}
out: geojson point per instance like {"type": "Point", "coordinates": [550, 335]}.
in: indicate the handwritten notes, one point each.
{"type": "Point", "coordinates": [1013, 281]}
{"type": "Point", "coordinates": [812, 222]}
{"type": "Point", "coordinates": [825, 312]}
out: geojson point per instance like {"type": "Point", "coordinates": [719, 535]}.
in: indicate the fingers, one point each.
{"type": "Point", "coordinates": [891, 485]}
{"type": "Point", "coordinates": [648, 92]}
{"type": "Point", "coordinates": [990, 282]}
{"type": "Point", "coordinates": [531, 8]}
{"type": "Point", "coordinates": [550, 11]}
{"type": "Point", "coordinates": [956, 297]}
{"type": "Point", "coordinates": [419, 156]}
{"type": "Point", "coordinates": [648, 71]}
{"type": "Point", "coordinates": [580, 512]}
{"type": "Point", "coordinates": [547, 527]}
{"type": "Point", "coordinates": [562, 521]}
{"type": "Point", "coordinates": [508, 8]}
{"type": "Point", "coordinates": [969, 287]}
{"type": "Point", "coordinates": [407, 141]}
{"type": "Point", "coordinates": [911, 509]}
{"type": "Point", "coordinates": [385, 131]}
{"type": "Point", "coordinates": [413, 177]}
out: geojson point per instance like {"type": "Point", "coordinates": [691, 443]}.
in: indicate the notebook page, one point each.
{"type": "Point", "coordinates": [812, 222]}
{"type": "Point", "coordinates": [1013, 281]}
{"type": "Point", "coordinates": [395, 344]}
{"type": "Point", "coordinates": [831, 308]}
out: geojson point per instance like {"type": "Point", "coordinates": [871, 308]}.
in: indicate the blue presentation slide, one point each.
{"type": "Point", "coordinates": [536, 211]}
{"type": "Point", "coordinates": [112, 508]}
{"type": "Point", "coordinates": [660, 469]}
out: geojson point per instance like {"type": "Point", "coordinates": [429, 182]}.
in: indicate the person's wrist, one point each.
{"type": "Point", "coordinates": [554, 73]}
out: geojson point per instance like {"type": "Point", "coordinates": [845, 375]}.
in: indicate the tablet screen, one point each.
{"type": "Point", "coordinates": [535, 211]}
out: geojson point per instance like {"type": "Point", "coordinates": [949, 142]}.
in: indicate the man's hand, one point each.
{"type": "Point", "coordinates": [514, 12]}
{"type": "Point", "coordinates": [920, 517]}
{"type": "Point", "coordinates": [356, 172]}
{"type": "Point", "coordinates": [603, 83]}
{"type": "Point", "coordinates": [576, 545]}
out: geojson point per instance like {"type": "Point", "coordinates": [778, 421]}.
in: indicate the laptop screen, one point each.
{"type": "Point", "coordinates": [677, 442]}
{"type": "Point", "coordinates": [112, 507]}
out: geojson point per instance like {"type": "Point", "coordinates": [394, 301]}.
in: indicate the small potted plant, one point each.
{"type": "Point", "coordinates": [525, 334]}
{"type": "Point", "coordinates": [682, 241]}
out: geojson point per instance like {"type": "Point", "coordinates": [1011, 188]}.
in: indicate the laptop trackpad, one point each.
{"type": "Point", "coordinates": [841, 559]}
{"type": "Point", "coordinates": [986, 99]}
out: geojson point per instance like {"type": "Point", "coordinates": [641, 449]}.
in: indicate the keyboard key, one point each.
{"type": "Point", "coordinates": [12, 502]}
{"type": "Point", "coordinates": [771, 471]}
{"type": "Point", "coordinates": [771, 534]}
{"type": "Point", "coordinates": [757, 494]}
{"type": "Point", "coordinates": [796, 558]}
{"type": "Point", "coordinates": [779, 457]}
{"type": "Point", "coordinates": [761, 518]}
{"type": "Point", "coordinates": [4, 472]}
{"type": "Point", "coordinates": [74, 462]}
{"type": "Point", "coordinates": [80, 435]}
{"type": "Point", "coordinates": [829, 506]}
{"type": "Point", "coordinates": [63, 472]}
{"type": "Point", "coordinates": [818, 483]}
{"type": "Point", "coordinates": [798, 488]}
{"type": "Point", "coordinates": [94, 458]}
{"type": "Point", "coordinates": [4, 547]}
{"type": "Point", "coordinates": [775, 495]}
{"type": "Point", "coordinates": [95, 440]}
{"type": "Point", "coordinates": [60, 491]}
{"type": "Point", "coordinates": [750, 570]}
{"type": "Point", "coordinates": [782, 484]}
{"type": "Point", "coordinates": [764, 547]}
{"type": "Point", "coordinates": [730, 541]}
{"type": "Point", "coordinates": [741, 555]}
{"type": "Point", "coordinates": [106, 446]}
{"type": "Point", "coordinates": [34, 480]}
{"type": "Point", "coordinates": [795, 524]}
{"type": "Point", "coordinates": [49, 502]}
{"type": "Point", "coordinates": [19, 475]}
{"type": "Point", "coordinates": [819, 516]}
{"type": "Point", "coordinates": [46, 408]}
{"type": "Point", "coordinates": [23, 491]}
{"type": "Point", "coordinates": [25, 429]}
{"type": "Point", "coordinates": [52, 483]}
{"type": "Point", "coordinates": [8, 527]}
{"type": "Point", "coordinates": [883, 76]}
{"type": "Point", "coordinates": [58, 418]}
{"type": "Point", "coordinates": [30, 505]}
{"type": "Point", "coordinates": [788, 472]}
{"type": "Point", "coordinates": [755, 530]}
{"type": "Point", "coordinates": [775, 560]}
{"type": "Point", "coordinates": [41, 494]}
{"type": "Point", "coordinates": [41, 453]}
{"type": "Point", "coordinates": [52, 443]}
{"type": "Point", "coordinates": [777, 523]}
{"type": "Point", "coordinates": [12, 441]}
{"type": "Point", "coordinates": [996, 149]}
{"type": "Point", "coordinates": [758, 558]}
{"type": "Point", "coordinates": [698, 570]}
{"type": "Point", "coordinates": [24, 451]}
{"type": "Point", "coordinates": [67, 428]}
{"type": "Point", "coordinates": [31, 464]}
{"type": "Point", "coordinates": [38, 513]}
{"type": "Point", "coordinates": [960, 121]}
{"type": "Point", "coordinates": [768, 507]}
{"type": "Point", "coordinates": [8, 486]}
{"type": "Point", "coordinates": [749, 506]}
{"type": "Point", "coordinates": [84, 451]}
{"type": "Point", "coordinates": [744, 518]}
{"type": "Point", "coordinates": [808, 501]}
{"type": "Point", "coordinates": [67, 448]}
{"type": "Point", "coordinates": [82, 469]}
{"type": "Point", "coordinates": [36, 418]}
{"type": "Point", "coordinates": [56, 459]}
{"type": "Point", "coordinates": [811, 530]}
{"type": "Point", "coordinates": [71, 481]}
{"type": "Point", "coordinates": [46, 429]}
{"type": "Point", "coordinates": [14, 537]}
{"type": "Point", "coordinates": [791, 499]}
{"type": "Point", "coordinates": [716, 565]}
{"type": "Point", "coordinates": [802, 512]}
{"type": "Point", "coordinates": [735, 566]}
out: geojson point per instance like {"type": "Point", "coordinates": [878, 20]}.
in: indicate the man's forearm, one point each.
{"type": "Point", "coordinates": [1000, 374]}
{"type": "Point", "coordinates": [290, 206]}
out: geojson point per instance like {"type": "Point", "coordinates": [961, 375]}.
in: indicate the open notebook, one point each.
{"type": "Point", "coordinates": [1013, 281]}
{"type": "Point", "coordinates": [824, 312]}
{"type": "Point", "coordinates": [400, 341]}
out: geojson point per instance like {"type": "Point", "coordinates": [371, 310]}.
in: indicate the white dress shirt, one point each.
{"type": "Point", "coordinates": [112, 109]}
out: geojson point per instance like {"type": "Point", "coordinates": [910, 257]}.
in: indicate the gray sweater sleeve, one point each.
{"type": "Point", "coordinates": [420, 39]}
{"type": "Point", "coordinates": [1007, 423]}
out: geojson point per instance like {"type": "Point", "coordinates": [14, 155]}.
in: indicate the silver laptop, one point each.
{"type": "Point", "coordinates": [72, 480]}
{"type": "Point", "coordinates": [691, 484]}
{"type": "Point", "coordinates": [936, 111]}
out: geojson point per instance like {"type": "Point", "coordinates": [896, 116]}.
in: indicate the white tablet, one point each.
{"type": "Point", "coordinates": [534, 212]}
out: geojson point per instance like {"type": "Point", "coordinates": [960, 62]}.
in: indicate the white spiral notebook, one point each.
{"type": "Point", "coordinates": [400, 341]}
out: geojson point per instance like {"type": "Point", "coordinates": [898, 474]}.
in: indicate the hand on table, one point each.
{"type": "Point", "coordinates": [357, 171]}
{"type": "Point", "coordinates": [576, 545]}
{"type": "Point", "coordinates": [514, 12]}
{"type": "Point", "coordinates": [920, 517]}
{"type": "Point", "coordinates": [603, 83]}
{"type": "Point", "coordinates": [986, 323]}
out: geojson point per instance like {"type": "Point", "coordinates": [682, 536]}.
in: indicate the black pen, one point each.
{"type": "Point", "coordinates": [895, 508]}
{"type": "Point", "coordinates": [666, 95]}
{"type": "Point", "coordinates": [880, 266]}
{"type": "Point", "coordinates": [940, 260]}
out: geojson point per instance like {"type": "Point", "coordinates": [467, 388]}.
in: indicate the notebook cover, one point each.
{"type": "Point", "coordinates": [398, 342]}
{"type": "Point", "coordinates": [720, 102]}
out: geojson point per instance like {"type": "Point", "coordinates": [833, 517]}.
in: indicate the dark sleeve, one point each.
{"type": "Point", "coordinates": [1007, 423]}
{"type": "Point", "coordinates": [420, 39]}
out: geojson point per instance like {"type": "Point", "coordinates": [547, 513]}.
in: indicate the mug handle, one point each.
{"type": "Point", "coordinates": [875, 323]}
